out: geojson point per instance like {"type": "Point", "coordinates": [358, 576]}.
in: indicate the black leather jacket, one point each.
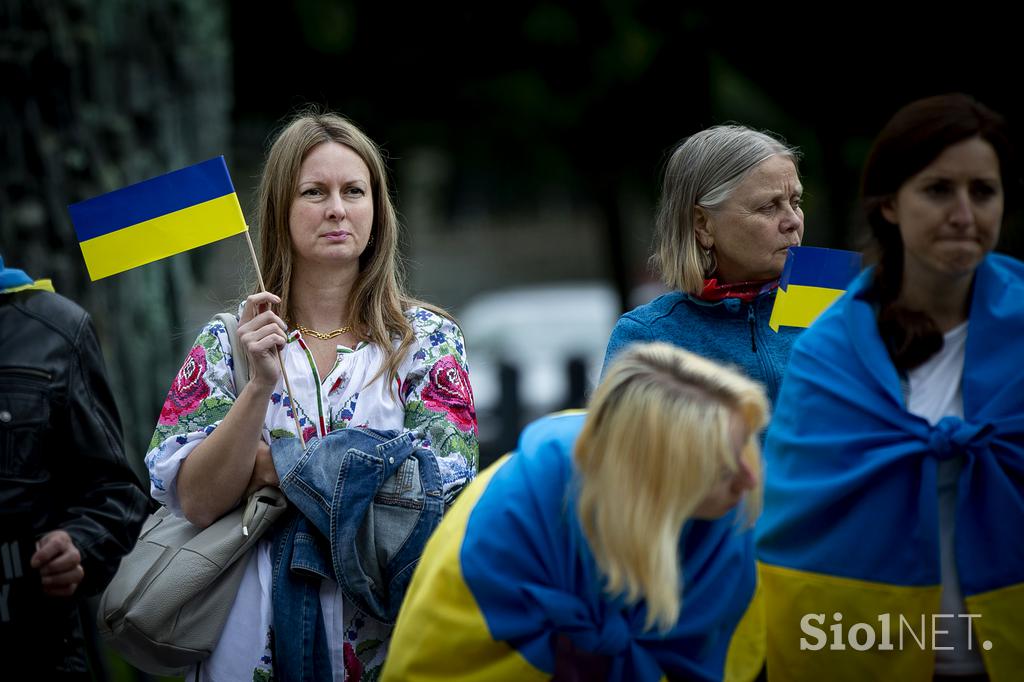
{"type": "Point", "coordinates": [62, 466]}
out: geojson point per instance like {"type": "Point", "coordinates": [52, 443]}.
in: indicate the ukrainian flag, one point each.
{"type": "Point", "coordinates": [849, 540]}
{"type": "Point", "coordinates": [812, 279]}
{"type": "Point", "coordinates": [157, 218]}
{"type": "Point", "coordinates": [508, 578]}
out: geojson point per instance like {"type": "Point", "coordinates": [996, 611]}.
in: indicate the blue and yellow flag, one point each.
{"type": "Point", "coordinates": [508, 580]}
{"type": "Point", "coordinates": [849, 542]}
{"type": "Point", "coordinates": [812, 279]}
{"type": "Point", "coordinates": [157, 218]}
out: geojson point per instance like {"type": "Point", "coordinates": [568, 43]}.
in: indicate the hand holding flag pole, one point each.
{"type": "Point", "coordinates": [160, 217]}
{"type": "Point", "coordinates": [280, 360]}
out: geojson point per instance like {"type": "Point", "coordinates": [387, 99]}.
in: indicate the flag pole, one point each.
{"type": "Point", "coordinates": [280, 360]}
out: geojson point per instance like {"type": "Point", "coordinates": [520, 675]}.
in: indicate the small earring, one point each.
{"type": "Point", "coordinates": [710, 262]}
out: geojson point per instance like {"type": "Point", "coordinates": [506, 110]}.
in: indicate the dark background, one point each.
{"type": "Point", "coordinates": [525, 139]}
{"type": "Point", "coordinates": [525, 142]}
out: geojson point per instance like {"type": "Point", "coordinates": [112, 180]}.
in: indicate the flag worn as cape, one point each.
{"type": "Point", "coordinates": [851, 500]}
{"type": "Point", "coordinates": [509, 568]}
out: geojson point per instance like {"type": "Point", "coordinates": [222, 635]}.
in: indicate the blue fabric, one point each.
{"type": "Point", "coordinates": [299, 565]}
{"type": "Point", "coordinates": [336, 485]}
{"type": "Point", "coordinates": [530, 569]}
{"type": "Point", "coordinates": [12, 277]}
{"type": "Point", "coordinates": [728, 331]}
{"type": "Point", "coordinates": [151, 198]}
{"type": "Point", "coordinates": [814, 266]}
{"type": "Point", "coordinates": [851, 475]}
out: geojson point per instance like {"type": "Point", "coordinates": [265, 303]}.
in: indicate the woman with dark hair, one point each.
{"type": "Point", "coordinates": [895, 488]}
{"type": "Point", "coordinates": [912, 329]}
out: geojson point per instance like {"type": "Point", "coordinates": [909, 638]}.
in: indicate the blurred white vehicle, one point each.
{"type": "Point", "coordinates": [537, 330]}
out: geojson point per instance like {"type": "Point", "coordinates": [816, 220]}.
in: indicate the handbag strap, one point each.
{"type": "Point", "coordinates": [239, 360]}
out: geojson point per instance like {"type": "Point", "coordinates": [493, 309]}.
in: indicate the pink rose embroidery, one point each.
{"type": "Point", "coordinates": [449, 392]}
{"type": "Point", "coordinates": [188, 389]}
{"type": "Point", "coordinates": [353, 666]}
{"type": "Point", "coordinates": [308, 433]}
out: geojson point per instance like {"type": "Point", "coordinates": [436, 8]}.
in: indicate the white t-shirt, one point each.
{"type": "Point", "coordinates": [935, 391]}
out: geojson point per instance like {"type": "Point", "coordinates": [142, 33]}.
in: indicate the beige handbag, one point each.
{"type": "Point", "coordinates": [166, 606]}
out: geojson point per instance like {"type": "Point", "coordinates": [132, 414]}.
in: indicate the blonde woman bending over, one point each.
{"type": "Point", "coordinates": [593, 552]}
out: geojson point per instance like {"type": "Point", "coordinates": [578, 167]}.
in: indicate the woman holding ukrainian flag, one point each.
{"type": "Point", "coordinates": [580, 557]}
{"type": "Point", "coordinates": [894, 495]}
{"type": "Point", "coordinates": [357, 351]}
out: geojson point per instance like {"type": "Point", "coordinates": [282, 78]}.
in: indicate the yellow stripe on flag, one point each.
{"type": "Point", "coordinates": [1000, 622]}
{"type": "Point", "coordinates": [799, 306]}
{"type": "Point", "coordinates": [441, 636]}
{"type": "Point", "coordinates": [164, 236]}
{"type": "Point", "coordinates": [746, 654]}
{"type": "Point", "coordinates": [38, 285]}
{"type": "Point", "coordinates": [895, 615]}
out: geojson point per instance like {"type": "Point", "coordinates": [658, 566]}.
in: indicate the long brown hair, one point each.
{"type": "Point", "coordinates": [378, 299]}
{"type": "Point", "coordinates": [914, 137]}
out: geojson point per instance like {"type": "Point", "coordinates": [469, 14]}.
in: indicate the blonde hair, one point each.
{"type": "Point", "coordinates": [703, 170]}
{"type": "Point", "coordinates": [378, 298]}
{"type": "Point", "coordinates": [657, 439]}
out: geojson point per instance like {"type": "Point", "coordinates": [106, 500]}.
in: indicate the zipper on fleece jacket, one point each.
{"type": "Point", "coordinates": [752, 321]}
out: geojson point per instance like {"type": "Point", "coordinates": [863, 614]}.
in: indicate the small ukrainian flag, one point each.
{"type": "Point", "coordinates": [157, 218]}
{"type": "Point", "coordinates": [812, 279]}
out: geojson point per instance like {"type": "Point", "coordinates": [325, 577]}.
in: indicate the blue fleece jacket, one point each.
{"type": "Point", "coordinates": [728, 331]}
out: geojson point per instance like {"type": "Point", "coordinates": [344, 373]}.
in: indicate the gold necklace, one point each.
{"type": "Point", "coordinates": [323, 336]}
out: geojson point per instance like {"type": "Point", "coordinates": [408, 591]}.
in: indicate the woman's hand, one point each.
{"type": "Point", "coordinates": [262, 335]}
{"type": "Point", "coordinates": [59, 563]}
{"type": "Point", "coordinates": [263, 471]}
{"type": "Point", "coordinates": [221, 468]}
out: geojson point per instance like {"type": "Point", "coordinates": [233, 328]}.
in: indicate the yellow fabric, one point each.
{"type": "Point", "coordinates": [799, 306]}
{"type": "Point", "coordinates": [38, 285]}
{"type": "Point", "coordinates": [791, 594]}
{"type": "Point", "coordinates": [441, 635]}
{"type": "Point", "coordinates": [747, 649]}
{"type": "Point", "coordinates": [163, 236]}
{"type": "Point", "coordinates": [568, 412]}
{"type": "Point", "coordinates": [1001, 623]}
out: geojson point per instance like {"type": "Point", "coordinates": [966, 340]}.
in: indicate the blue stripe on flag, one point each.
{"type": "Point", "coordinates": [151, 198]}
{"type": "Point", "coordinates": [813, 266]}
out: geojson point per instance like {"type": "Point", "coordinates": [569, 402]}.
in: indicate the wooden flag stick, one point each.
{"type": "Point", "coordinates": [280, 360]}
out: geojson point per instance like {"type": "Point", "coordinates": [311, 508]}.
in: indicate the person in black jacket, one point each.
{"type": "Point", "coordinates": [70, 506]}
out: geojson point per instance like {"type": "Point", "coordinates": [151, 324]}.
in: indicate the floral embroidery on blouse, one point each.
{"type": "Point", "coordinates": [449, 392]}
{"type": "Point", "coordinates": [188, 389]}
{"type": "Point", "coordinates": [201, 395]}
{"type": "Point", "coordinates": [433, 396]}
{"type": "Point", "coordinates": [438, 397]}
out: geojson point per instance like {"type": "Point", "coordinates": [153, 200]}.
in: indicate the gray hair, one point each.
{"type": "Point", "coordinates": [704, 170]}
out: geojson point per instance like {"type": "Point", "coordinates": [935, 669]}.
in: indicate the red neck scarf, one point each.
{"type": "Point", "coordinates": [745, 291]}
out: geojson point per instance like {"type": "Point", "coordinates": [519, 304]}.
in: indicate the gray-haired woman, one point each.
{"type": "Point", "coordinates": [730, 208]}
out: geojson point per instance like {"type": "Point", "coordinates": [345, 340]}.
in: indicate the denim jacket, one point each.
{"type": "Point", "coordinates": [366, 501]}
